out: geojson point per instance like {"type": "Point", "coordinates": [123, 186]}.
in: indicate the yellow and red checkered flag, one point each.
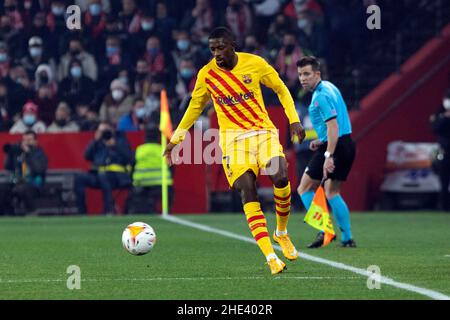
{"type": "Point", "coordinates": [165, 124]}
{"type": "Point", "coordinates": [318, 216]}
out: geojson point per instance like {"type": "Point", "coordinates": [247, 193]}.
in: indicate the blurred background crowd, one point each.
{"type": "Point", "coordinates": [111, 70]}
{"type": "Point", "coordinates": [53, 79]}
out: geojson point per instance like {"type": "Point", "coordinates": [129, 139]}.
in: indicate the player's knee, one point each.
{"type": "Point", "coordinates": [279, 174]}
{"type": "Point", "coordinates": [280, 180]}
{"type": "Point", "coordinates": [332, 189]}
{"type": "Point", "coordinates": [248, 195]}
{"type": "Point", "coordinates": [247, 189]}
{"type": "Point", "coordinates": [306, 185]}
{"type": "Point", "coordinates": [331, 193]}
{"type": "Point", "coordinates": [302, 188]}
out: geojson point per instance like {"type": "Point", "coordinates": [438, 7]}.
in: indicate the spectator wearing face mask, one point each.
{"type": "Point", "coordinates": [46, 93]}
{"type": "Point", "coordinates": [147, 28]}
{"type": "Point", "coordinates": [117, 103]}
{"type": "Point", "coordinates": [77, 51]}
{"type": "Point", "coordinates": [36, 56]}
{"type": "Point", "coordinates": [94, 19]}
{"type": "Point", "coordinates": [153, 98]}
{"type": "Point", "coordinates": [84, 5]}
{"type": "Point", "coordinates": [183, 47]}
{"type": "Point", "coordinates": [29, 120]}
{"type": "Point", "coordinates": [55, 18]}
{"type": "Point", "coordinates": [44, 76]}
{"type": "Point", "coordinates": [286, 61]}
{"type": "Point", "coordinates": [160, 63]}
{"type": "Point", "coordinates": [76, 87]}
{"type": "Point", "coordinates": [56, 23]}
{"type": "Point", "coordinates": [63, 122]}
{"type": "Point", "coordinates": [154, 56]}
{"type": "Point", "coordinates": [136, 119]}
{"type": "Point", "coordinates": [186, 78]}
{"type": "Point", "coordinates": [113, 61]}
{"type": "Point", "coordinates": [94, 24]}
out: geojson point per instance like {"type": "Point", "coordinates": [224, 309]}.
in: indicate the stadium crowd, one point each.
{"type": "Point", "coordinates": [53, 79]}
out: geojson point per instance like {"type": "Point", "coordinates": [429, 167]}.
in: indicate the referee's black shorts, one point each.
{"type": "Point", "coordinates": [344, 155]}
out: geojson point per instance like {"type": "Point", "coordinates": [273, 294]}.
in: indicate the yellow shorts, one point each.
{"type": "Point", "coordinates": [251, 153]}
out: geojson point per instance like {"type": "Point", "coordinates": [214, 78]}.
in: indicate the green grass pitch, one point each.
{"type": "Point", "coordinates": [187, 263]}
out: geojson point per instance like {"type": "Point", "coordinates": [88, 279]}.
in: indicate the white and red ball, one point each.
{"type": "Point", "coordinates": [138, 238]}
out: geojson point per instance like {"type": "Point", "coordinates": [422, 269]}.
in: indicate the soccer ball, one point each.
{"type": "Point", "coordinates": [138, 238]}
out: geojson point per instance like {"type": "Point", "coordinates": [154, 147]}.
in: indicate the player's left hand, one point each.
{"type": "Point", "coordinates": [328, 167]}
{"type": "Point", "coordinates": [297, 131]}
{"type": "Point", "coordinates": [168, 153]}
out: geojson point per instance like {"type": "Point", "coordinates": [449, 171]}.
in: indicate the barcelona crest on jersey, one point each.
{"type": "Point", "coordinates": [247, 78]}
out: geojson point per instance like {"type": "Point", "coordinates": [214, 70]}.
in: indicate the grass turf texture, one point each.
{"type": "Point", "coordinates": [191, 264]}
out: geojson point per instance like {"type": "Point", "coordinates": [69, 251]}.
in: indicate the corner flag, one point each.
{"type": "Point", "coordinates": [318, 216]}
{"type": "Point", "coordinates": [165, 124]}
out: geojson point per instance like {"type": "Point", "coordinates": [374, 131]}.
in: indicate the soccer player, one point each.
{"type": "Point", "coordinates": [334, 148]}
{"type": "Point", "coordinates": [248, 139]}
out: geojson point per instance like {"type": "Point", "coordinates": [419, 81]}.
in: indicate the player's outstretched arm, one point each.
{"type": "Point", "coordinates": [199, 98]}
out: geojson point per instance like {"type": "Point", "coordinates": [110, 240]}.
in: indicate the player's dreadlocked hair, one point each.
{"type": "Point", "coordinates": [222, 32]}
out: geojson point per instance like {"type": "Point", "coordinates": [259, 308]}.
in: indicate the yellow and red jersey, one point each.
{"type": "Point", "coordinates": [237, 97]}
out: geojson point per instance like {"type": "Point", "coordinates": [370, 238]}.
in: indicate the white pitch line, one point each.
{"type": "Point", "coordinates": [405, 286]}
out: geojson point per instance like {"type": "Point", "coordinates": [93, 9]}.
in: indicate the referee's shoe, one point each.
{"type": "Point", "coordinates": [319, 241]}
{"type": "Point", "coordinates": [348, 244]}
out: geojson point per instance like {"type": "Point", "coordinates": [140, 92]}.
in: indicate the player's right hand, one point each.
{"type": "Point", "coordinates": [315, 144]}
{"type": "Point", "coordinates": [168, 153]}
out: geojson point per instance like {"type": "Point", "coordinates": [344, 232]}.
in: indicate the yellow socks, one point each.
{"type": "Point", "coordinates": [257, 224]}
{"type": "Point", "coordinates": [283, 206]}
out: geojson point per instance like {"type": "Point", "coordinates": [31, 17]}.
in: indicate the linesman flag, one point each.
{"type": "Point", "coordinates": [318, 216]}
{"type": "Point", "coordinates": [165, 124]}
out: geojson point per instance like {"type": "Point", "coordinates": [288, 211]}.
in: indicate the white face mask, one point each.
{"type": "Point", "coordinates": [446, 103]}
{"type": "Point", "coordinates": [117, 94]}
{"type": "Point", "coordinates": [302, 23]}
